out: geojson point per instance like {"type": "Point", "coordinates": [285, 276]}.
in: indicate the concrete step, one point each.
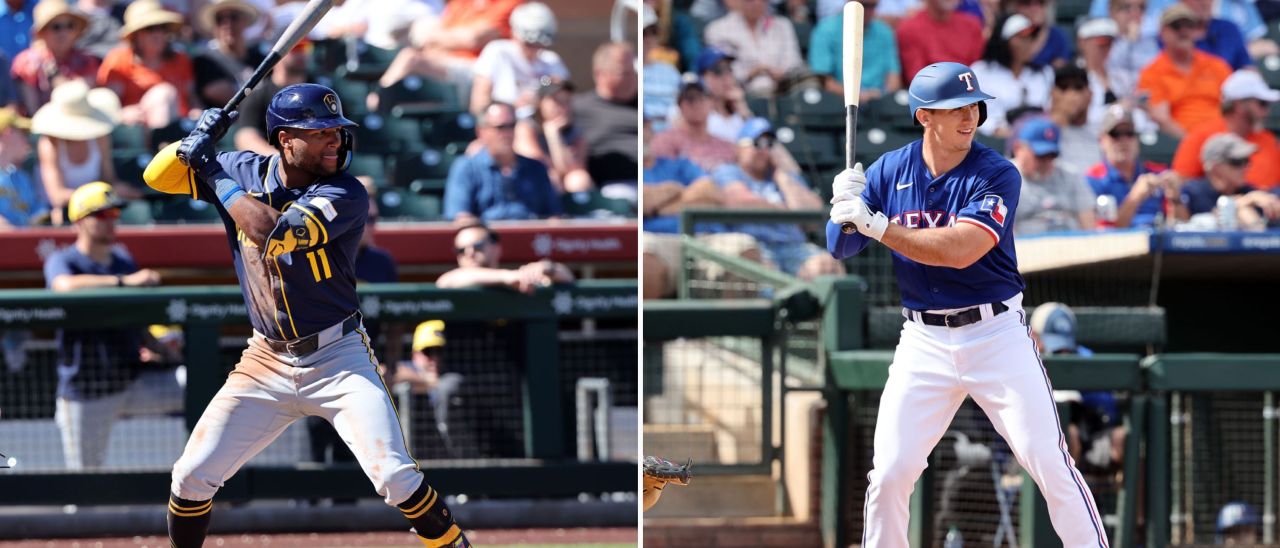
{"type": "Point", "coordinates": [729, 532]}
{"type": "Point", "coordinates": [736, 496]}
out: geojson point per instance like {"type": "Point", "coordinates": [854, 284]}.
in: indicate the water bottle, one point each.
{"type": "Point", "coordinates": [954, 539]}
{"type": "Point", "coordinates": [1107, 211]}
{"type": "Point", "coordinates": [1226, 213]}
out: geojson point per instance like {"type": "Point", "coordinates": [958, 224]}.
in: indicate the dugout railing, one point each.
{"type": "Point", "coordinates": [534, 348]}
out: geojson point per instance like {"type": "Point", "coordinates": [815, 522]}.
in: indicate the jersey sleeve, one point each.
{"type": "Point", "coordinates": [56, 265]}
{"type": "Point", "coordinates": [325, 212]}
{"type": "Point", "coordinates": [993, 202]}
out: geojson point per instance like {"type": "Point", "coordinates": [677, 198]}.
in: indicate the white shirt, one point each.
{"type": "Point", "coordinates": [1031, 88]}
{"type": "Point", "coordinates": [511, 73]}
{"type": "Point", "coordinates": [725, 127]}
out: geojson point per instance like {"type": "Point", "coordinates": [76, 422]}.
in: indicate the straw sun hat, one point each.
{"type": "Point", "coordinates": [48, 10]}
{"type": "Point", "coordinates": [76, 113]}
{"type": "Point", "coordinates": [208, 13]}
{"type": "Point", "coordinates": [148, 13]}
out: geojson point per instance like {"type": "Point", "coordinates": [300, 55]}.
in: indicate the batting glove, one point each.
{"type": "Point", "coordinates": [214, 122]}
{"type": "Point", "coordinates": [855, 211]}
{"type": "Point", "coordinates": [849, 184]}
{"type": "Point", "coordinates": [198, 152]}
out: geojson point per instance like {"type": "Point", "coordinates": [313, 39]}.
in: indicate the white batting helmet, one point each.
{"type": "Point", "coordinates": [534, 23]}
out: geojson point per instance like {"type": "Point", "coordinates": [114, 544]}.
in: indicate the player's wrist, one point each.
{"type": "Point", "coordinates": [874, 226]}
{"type": "Point", "coordinates": [225, 188]}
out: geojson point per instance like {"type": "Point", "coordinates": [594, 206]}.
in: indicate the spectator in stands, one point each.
{"type": "Point", "coordinates": [495, 183]}
{"type": "Point", "coordinates": [226, 61]}
{"type": "Point", "coordinates": [1049, 44]}
{"type": "Point", "coordinates": [729, 110]}
{"type": "Point", "coordinates": [52, 58]}
{"type": "Point", "coordinates": [251, 131]}
{"type": "Point", "coordinates": [1131, 51]}
{"type": "Point", "coordinates": [1243, 13]}
{"type": "Point", "coordinates": [21, 202]}
{"type": "Point", "coordinates": [380, 23]}
{"type": "Point", "coordinates": [1053, 199]}
{"type": "Point", "coordinates": [1237, 524]}
{"type": "Point", "coordinates": [509, 71]}
{"type": "Point", "coordinates": [671, 184]}
{"type": "Point", "coordinates": [1006, 64]}
{"type": "Point", "coordinates": [1095, 39]}
{"type": "Point", "coordinates": [1069, 103]}
{"type": "Point", "coordinates": [480, 259]}
{"type": "Point", "coordinates": [154, 80]}
{"type": "Point", "coordinates": [75, 144]}
{"type": "Point", "coordinates": [1184, 83]}
{"type": "Point", "coordinates": [446, 48]}
{"type": "Point", "coordinates": [103, 33]}
{"type": "Point", "coordinates": [689, 137]}
{"type": "Point", "coordinates": [15, 26]}
{"type": "Point", "coordinates": [756, 182]}
{"type": "Point", "coordinates": [766, 52]}
{"type": "Point", "coordinates": [938, 33]}
{"type": "Point", "coordinates": [550, 136]}
{"type": "Point", "coordinates": [6, 81]}
{"type": "Point", "coordinates": [1138, 186]}
{"type": "Point", "coordinates": [1221, 38]}
{"type": "Point", "coordinates": [661, 79]}
{"type": "Point", "coordinates": [425, 376]}
{"type": "Point", "coordinates": [101, 375]}
{"type": "Point", "coordinates": [1226, 159]}
{"type": "Point", "coordinates": [1246, 98]}
{"type": "Point", "coordinates": [675, 29]}
{"type": "Point", "coordinates": [607, 114]}
{"type": "Point", "coordinates": [1096, 433]}
{"type": "Point", "coordinates": [881, 70]}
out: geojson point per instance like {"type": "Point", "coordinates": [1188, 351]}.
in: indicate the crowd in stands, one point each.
{"type": "Point", "coordinates": [1118, 113]}
{"type": "Point", "coordinates": [465, 103]}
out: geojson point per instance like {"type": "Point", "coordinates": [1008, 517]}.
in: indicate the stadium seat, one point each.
{"type": "Point", "coordinates": [450, 130]}
{"type": "Point", "coordinates": [762, 106]}
{"type": "Point", "coordinates": [353, 94]}
{"type": "Point", "coordinates": [420, 97]}
{"type": "Point", "coordinates": [127, 137]}
{"type": "Point", "coordinates": [327, 55]}
{"type": "Point", "coordinates": [183, 210]}
{"type": "Point", "coordinates": [428, 163]}
{"type": "Point", "coordinates": [594, 204]}
{"type": "Point", "coordinates": [1069, 12]}
{"type": "Point", "coordinates": [171, 133]}
{"type": "Point", "coordinates": [1158, 147]}
{"type": "Point", "coordinates": [427, 186]}
{"type": "Point", "coordinates": [816, 109]}
{"type": "Point", "coordinates": [1270, 67]}
{"type": "Point", "coordinates": [811, 149]}
{"type": "Point", "coordinates": [395, 203]}
{"type": "Point", "coordinates": [371, 165]}
{"type": "Point", "coordinates": [874, 142]}
{"type": "Point", "coordinates": [136, 212]}
{"type": "Point", "coordinates": [380, 134]}
{"type": "Point", "coordinates": [368, 65]}
{"type": "Point", "coordinates": [129, 165]}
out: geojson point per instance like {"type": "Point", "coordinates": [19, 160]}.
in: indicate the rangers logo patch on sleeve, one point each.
{"type": "Point", "coordinates": [325, 206]}
{"type": "Point", "coordinates": [994, 204]}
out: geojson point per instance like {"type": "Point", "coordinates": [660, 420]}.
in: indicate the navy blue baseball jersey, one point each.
{"type": "Point", "coordinates": [982, 190]}
{"type": "Point", "coordinates": [305, 280]}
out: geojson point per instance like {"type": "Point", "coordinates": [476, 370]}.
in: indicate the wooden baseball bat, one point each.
{"type": "Point", "coordinates": [852, 68]}
{"type": "Point", "coordinates": [166, 166]}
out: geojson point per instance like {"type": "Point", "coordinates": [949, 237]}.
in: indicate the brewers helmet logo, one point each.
{"type": "Point", "coordinates": [331, 101]}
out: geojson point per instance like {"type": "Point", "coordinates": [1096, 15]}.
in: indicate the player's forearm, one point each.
{"type": "Point", "coordinates": [843, 245]}
{"type": "Point", "coordinates": [949, 247]}
{"type": "Point", "coordinates": [471, 277]}
{"type": "Point", "coordinates": [255, 219]}
{"type": "Point", "coordinates": [73, 282]}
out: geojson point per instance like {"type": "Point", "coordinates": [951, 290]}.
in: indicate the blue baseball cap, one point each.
{"type": "Point", "coordinates": [708, 58]}
{"type": "Point", "coordinates": [753, 128]}
{"type": "Point", "coordinates": [1041, 134]}
{"type": "Point", "coordinates": [1056, 325]}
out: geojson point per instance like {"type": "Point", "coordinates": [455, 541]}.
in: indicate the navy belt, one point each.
{"type": "Point", "coordinates": [303, 346]}
{"type": "Point", "coordinates": [954, 319]}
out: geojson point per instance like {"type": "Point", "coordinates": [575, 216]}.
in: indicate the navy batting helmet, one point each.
{"type": "Point", "coordinates": [946, 86]}
{"type": "Point", "coordinates": [310, 106]}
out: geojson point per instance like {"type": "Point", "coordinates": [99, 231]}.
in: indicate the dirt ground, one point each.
{"type": "Point", "coordinates": [494, 538]}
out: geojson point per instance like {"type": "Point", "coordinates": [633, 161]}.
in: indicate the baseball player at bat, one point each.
{"type": "Point", "coordinates": [294, 222]}
{"type": "Point", "coordinates": [946, 205]}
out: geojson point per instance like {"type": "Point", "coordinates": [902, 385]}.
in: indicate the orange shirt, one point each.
{"type": "Point", "coordinates": [121, 70]}
{"type": "Point", "coordinates": [1195, 96]}
{"type": "Point", "coordinates": [478, 13]}
{"type": "Point", "coordinates": [1264, 165]}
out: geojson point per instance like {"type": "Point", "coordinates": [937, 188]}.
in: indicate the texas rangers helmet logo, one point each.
{"type": "Point", "coordinates": [994, 204]}
{"type": "Point", "coordinates": [331, 102]}
{"type": "Point", "coordinates": [968, 80]}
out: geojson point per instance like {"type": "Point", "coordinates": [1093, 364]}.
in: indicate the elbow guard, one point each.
{"type": "Point", "coordinates": [297, 229]}
{"type": "Point", "coordinates": [166, 173]}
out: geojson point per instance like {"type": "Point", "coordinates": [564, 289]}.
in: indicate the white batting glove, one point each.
{"type": "Point", "coordinates": [855, 211]}
{"type": "Point", "coordinates": [848, 184]}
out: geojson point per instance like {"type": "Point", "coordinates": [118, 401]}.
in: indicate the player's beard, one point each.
{"type": "Point", "coordinates": [314, 165]}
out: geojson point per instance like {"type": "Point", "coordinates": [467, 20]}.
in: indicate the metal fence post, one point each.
{"type": "Point", "coordinates": [1158, 471]}
{"type": "Point", "coordinates": [543, 409]}
{"type": "Point", "coordinates": [204, 369]}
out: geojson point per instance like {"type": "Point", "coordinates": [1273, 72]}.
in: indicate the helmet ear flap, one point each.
{"type": "Point", "coordinates": [982, 112]}
{"type": "Point", "coordinates": [346, 150]}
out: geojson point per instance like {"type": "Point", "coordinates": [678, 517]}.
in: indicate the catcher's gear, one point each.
{"type": "Point", "coordinates": [658, 473]}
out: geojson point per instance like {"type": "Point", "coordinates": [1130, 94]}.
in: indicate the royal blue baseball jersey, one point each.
{"type": "Point", "coordinates": [982, 190]}
{"type": "Point", "coordinates": [313, 286]}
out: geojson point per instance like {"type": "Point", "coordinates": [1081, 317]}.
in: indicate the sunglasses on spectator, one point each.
{"type": "Point", "coordinates": [1122, 134]}
{"type": "Point", "coordinates": [1047, 157]}
{"type": "Point", "coordinates": [1131, 7]}
{"type": "Point", "coordinates": [764, 142]}
{"type": "Point", "coordinates": [63, 26]}
{"type": "Point", "coordinates": [505, 127]}
{"type": "Point", "coordinates": [432, 351]}
{"type": "Point", "coordinates": [1031, 2]}
{"type": "Point", "coordinates": [1185, 24]}
{"type": "Point", "coordinates": [227, 17]}
{"type": "Point", "coordinates": [476, 247]}
{"type": "Point", "coordinates": [1237, 162]}
{"type": "Point", "coordinates": [112, 213]}
{"type": "Point", "coordinates": [1073, 86]}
